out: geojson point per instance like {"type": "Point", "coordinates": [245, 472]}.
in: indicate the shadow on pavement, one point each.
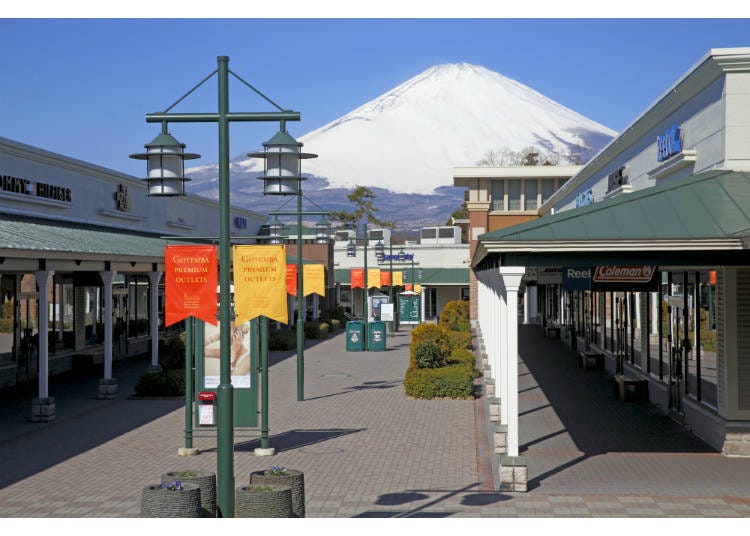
{"type": "Point", "coordinates": [362, 387]}
{"type": "Point", "coordinates": [595, 420]}
{"type": "Point", "coordinates": [295, 439]}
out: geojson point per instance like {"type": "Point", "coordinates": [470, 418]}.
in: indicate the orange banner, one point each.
{"type": "Point", "coordinates": [385, 279]}
{"type": "Point", "coordinates": [291, 279]}
{"type": "Point", "coordinates": [190, 281]}
{"type": "Point", "coordinates": [314, 279]}
{"type": "Point", "coordinates": [373, 277]}
{"type": "Point", "coordinates": [357, 277]}
{"type": "Point", "coordinates": [398, 278]}
{"type": "Point", "coordinates": [408, 286]}
{"type": "Point", "coordinates": [260, 283]}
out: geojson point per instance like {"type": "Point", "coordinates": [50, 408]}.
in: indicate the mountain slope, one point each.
{"type": "Point", "coordinates": [406, 142]}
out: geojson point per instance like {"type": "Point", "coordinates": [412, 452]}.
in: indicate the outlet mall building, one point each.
{"type": "Point", "coordinates": [642, 258]}
{"type": "Point", "coordinates": [84, 244]}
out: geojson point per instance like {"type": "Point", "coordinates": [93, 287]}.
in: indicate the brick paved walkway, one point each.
{"type": "Point", "coordinates": [368, 451]}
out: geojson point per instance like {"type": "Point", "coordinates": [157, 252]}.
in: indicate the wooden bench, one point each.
{"type": "Point", "coordinates": [552, 332]}
{"type": "Point", "coordinates": [591, 360]}
{"type": "Point", "coordinates": [630, 389]}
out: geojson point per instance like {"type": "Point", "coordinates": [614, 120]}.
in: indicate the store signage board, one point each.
{"type": "Point", "coordinates": [576, 278]}
{"type": "Point", "coordinates": [625, 278]}
{"type": "Point", "coordinates": [386, 312]}
{"type": "Point", "coordinates": [668, 144]}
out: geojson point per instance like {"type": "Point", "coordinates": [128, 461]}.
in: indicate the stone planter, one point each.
{"type": "Point", "coordinates": [293, 478]}
{"type": "Point", "coordinates": [204, 480]}
{"type": "Point", "coordinates": [263, 501]}
{"type": "Point", "coordinates": [43, 409]}
{"type": "Point", "coordinates": [159, 502]}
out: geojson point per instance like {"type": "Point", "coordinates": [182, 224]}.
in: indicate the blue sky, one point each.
{"type": "Point", "coordinates": [81, 87]}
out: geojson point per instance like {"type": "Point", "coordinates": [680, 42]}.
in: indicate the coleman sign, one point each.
{"type": "Point", "coordinates": [622, 278]}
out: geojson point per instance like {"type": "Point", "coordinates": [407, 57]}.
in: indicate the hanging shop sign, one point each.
{"type": "Point", "coordinates": [549, 276]}
{"type": "Point", "coordinates": [625, 278]}
{"type": "Point", "coordinates": [190, 279]}
{"type": "Point", "coordinates": [260, 283]}
{"type": "Point", "coordinates": [668, 144]}
{"type": "Point", "coordinates": [373, 277]}
{"type": "Point", "coordinates": [576, 278]}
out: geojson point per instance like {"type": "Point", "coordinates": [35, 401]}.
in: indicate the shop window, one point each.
{"type": "Point", "coordinates": [514, 194]}
{"type": "Point", "coordinates": [7, 316]}
{"type": "Point", "coordinates": [498, 194]}
{"type": "Point", "coordinates": [548, 188]}
{"type": "Point", "coordinates": [529, 194]}
{"type": "Point", "coordinates": [138, 310]}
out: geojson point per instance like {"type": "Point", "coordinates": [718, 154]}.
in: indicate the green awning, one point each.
{"type": "Point", "coordinates": [31, 236]}
{"type": "Point", "coordinates": [696, 219]}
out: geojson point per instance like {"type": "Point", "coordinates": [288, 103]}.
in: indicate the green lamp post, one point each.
{"type": "Point", "coordinates": [166, 178]}
{"type": "Point", "coordinates": [282, 175]}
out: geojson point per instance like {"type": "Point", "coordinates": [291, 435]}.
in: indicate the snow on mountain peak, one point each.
{"type": "Point", "coordinates": [408, 139]}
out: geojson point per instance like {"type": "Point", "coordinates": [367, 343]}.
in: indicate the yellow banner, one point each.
{"type": "Point", "coordinates": [418, 289]}
{"type": "Point", "coordinates": [373, 277]}
{"type": "Point", "coordinates": [398, 278]}
{"type": "Point", "coordinates": [260, 283]}
{"type": "Point", "coordinates": [314, 279]}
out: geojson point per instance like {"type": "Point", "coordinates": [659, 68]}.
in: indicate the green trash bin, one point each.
{"type": "Point", "coordinates": [355, 336]}
{"type": "Point", "coordinates": [377, 336]}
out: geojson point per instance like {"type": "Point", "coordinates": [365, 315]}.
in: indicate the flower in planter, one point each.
{"type": "Point", "coordinates": [276, 470]}
{"type": "Point", "coordinates": [175, 485]}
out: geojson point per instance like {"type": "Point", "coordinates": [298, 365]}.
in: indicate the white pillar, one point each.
{"type": "Point", "coordinates": [108, 278]}
{"type": "Point", "coordinates": [511, 279]}
{"type": "Point", "coordinates": [43, 278]}
{"type": "Point", "coordinates": [532, 299]}
{"type": "Point", "coordinates": [655, 313]}
{"type": "Point", "coordinates": [154, 278]}
{"type": "Point", "coordinates": [526, 315]}
{"type": "Point", "coordinates": [502, 330]}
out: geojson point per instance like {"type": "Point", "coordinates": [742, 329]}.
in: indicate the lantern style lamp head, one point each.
{"type": "Point", "coordinates": [401, 256]}
{"type": "Point", "coordinates": [351, 248]}
{"type": "Point", "coordinates": [165, 158]}
{"type": "Point", "coordinates": [380, 251]}
{"type": "Point", "coordinates": [275, 231]}
{"type": "Point", "coordinates": [322, 231]}
{"type": "Point", "coordinates": [282, 172]}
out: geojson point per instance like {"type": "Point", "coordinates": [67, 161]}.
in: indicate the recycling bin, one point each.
{"type": "Point", "coordinates": [355, 336]}
{"type": "Point", "coordinates": [376, 341]}
{"type": "Point", "coordinates": [207, 408]}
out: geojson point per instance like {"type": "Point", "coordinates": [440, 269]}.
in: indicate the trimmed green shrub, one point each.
{"type": "Point", "coordinates": [432, 333]}
{"type": "Point", "coordinates": [335, 324]}
{"type": "Point", "coordinates": [172, 354]}
{"type": "Point", "coordinates": [280, 340]}
{"type": "Point", "coordinates": [160, 384]}
{"type": "Point", "coordinates": [455, 316]}
{"type": "Point", "coordinates": [452, 381]}
{"type": "Point", "coordinates": [316, 330]}
{"type": "Point", "coordinates": [428, 354]}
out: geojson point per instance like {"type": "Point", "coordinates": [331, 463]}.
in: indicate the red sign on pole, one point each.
{"type": "Point", "coordinates": [191, 280]}
{"type": "Point", "coordinates": [357, 276]}
{"type": "Point", "coordinates": [291, 279]}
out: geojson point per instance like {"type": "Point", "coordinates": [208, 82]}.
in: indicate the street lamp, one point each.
{"type": "Point", "coordinates": [380, 252]}
{"type": "Point", "coordinates": [282, 156]}
{"type": "Point", "coordinates": [351, 251]}
{"type": "Point", "coordinates": [166, 178]}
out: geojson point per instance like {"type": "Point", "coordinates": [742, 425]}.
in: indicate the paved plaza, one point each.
{"type": "Point", "coordinates": [369, 451]}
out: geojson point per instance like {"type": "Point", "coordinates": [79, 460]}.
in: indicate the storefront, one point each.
{"type": "Point", "coordinates": [84, 246]}
{"type": "Point", "coordinates": [646, 255]}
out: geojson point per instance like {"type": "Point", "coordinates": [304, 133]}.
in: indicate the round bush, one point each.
{"type": "Point", "coordinates": [428, 354]}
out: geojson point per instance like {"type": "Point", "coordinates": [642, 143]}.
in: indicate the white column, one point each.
{"type": "Point", "coordinates": [655, 313]}
{"type": "Point", "coordinates": [108, 278]}
{"type": "Point", "coordinates": [422, 295]}
{"type": "Point", "coordinates": [526, 315]}
{"type": "Point", "coordinates": [502, 331]}
{"type": "Point", "coordinates": [154, 278]}
{"type": "Point", "coordinates": [511, 279]}
{"type": "Point", "coordinates": [532, 298]}
{"type": "Point", "coordinates": [43, 278]}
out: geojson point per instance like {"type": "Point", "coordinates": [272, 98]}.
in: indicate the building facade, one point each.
{"type": "Point", "coordinates": [643, 258]}
{"type": "Point", "coordinates": [81, 264]}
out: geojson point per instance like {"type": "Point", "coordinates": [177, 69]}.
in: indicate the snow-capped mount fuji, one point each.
{"type": "Point", "coordinates": [405, 143]}
{"type": "Point", "coordinates": [409, 139]}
